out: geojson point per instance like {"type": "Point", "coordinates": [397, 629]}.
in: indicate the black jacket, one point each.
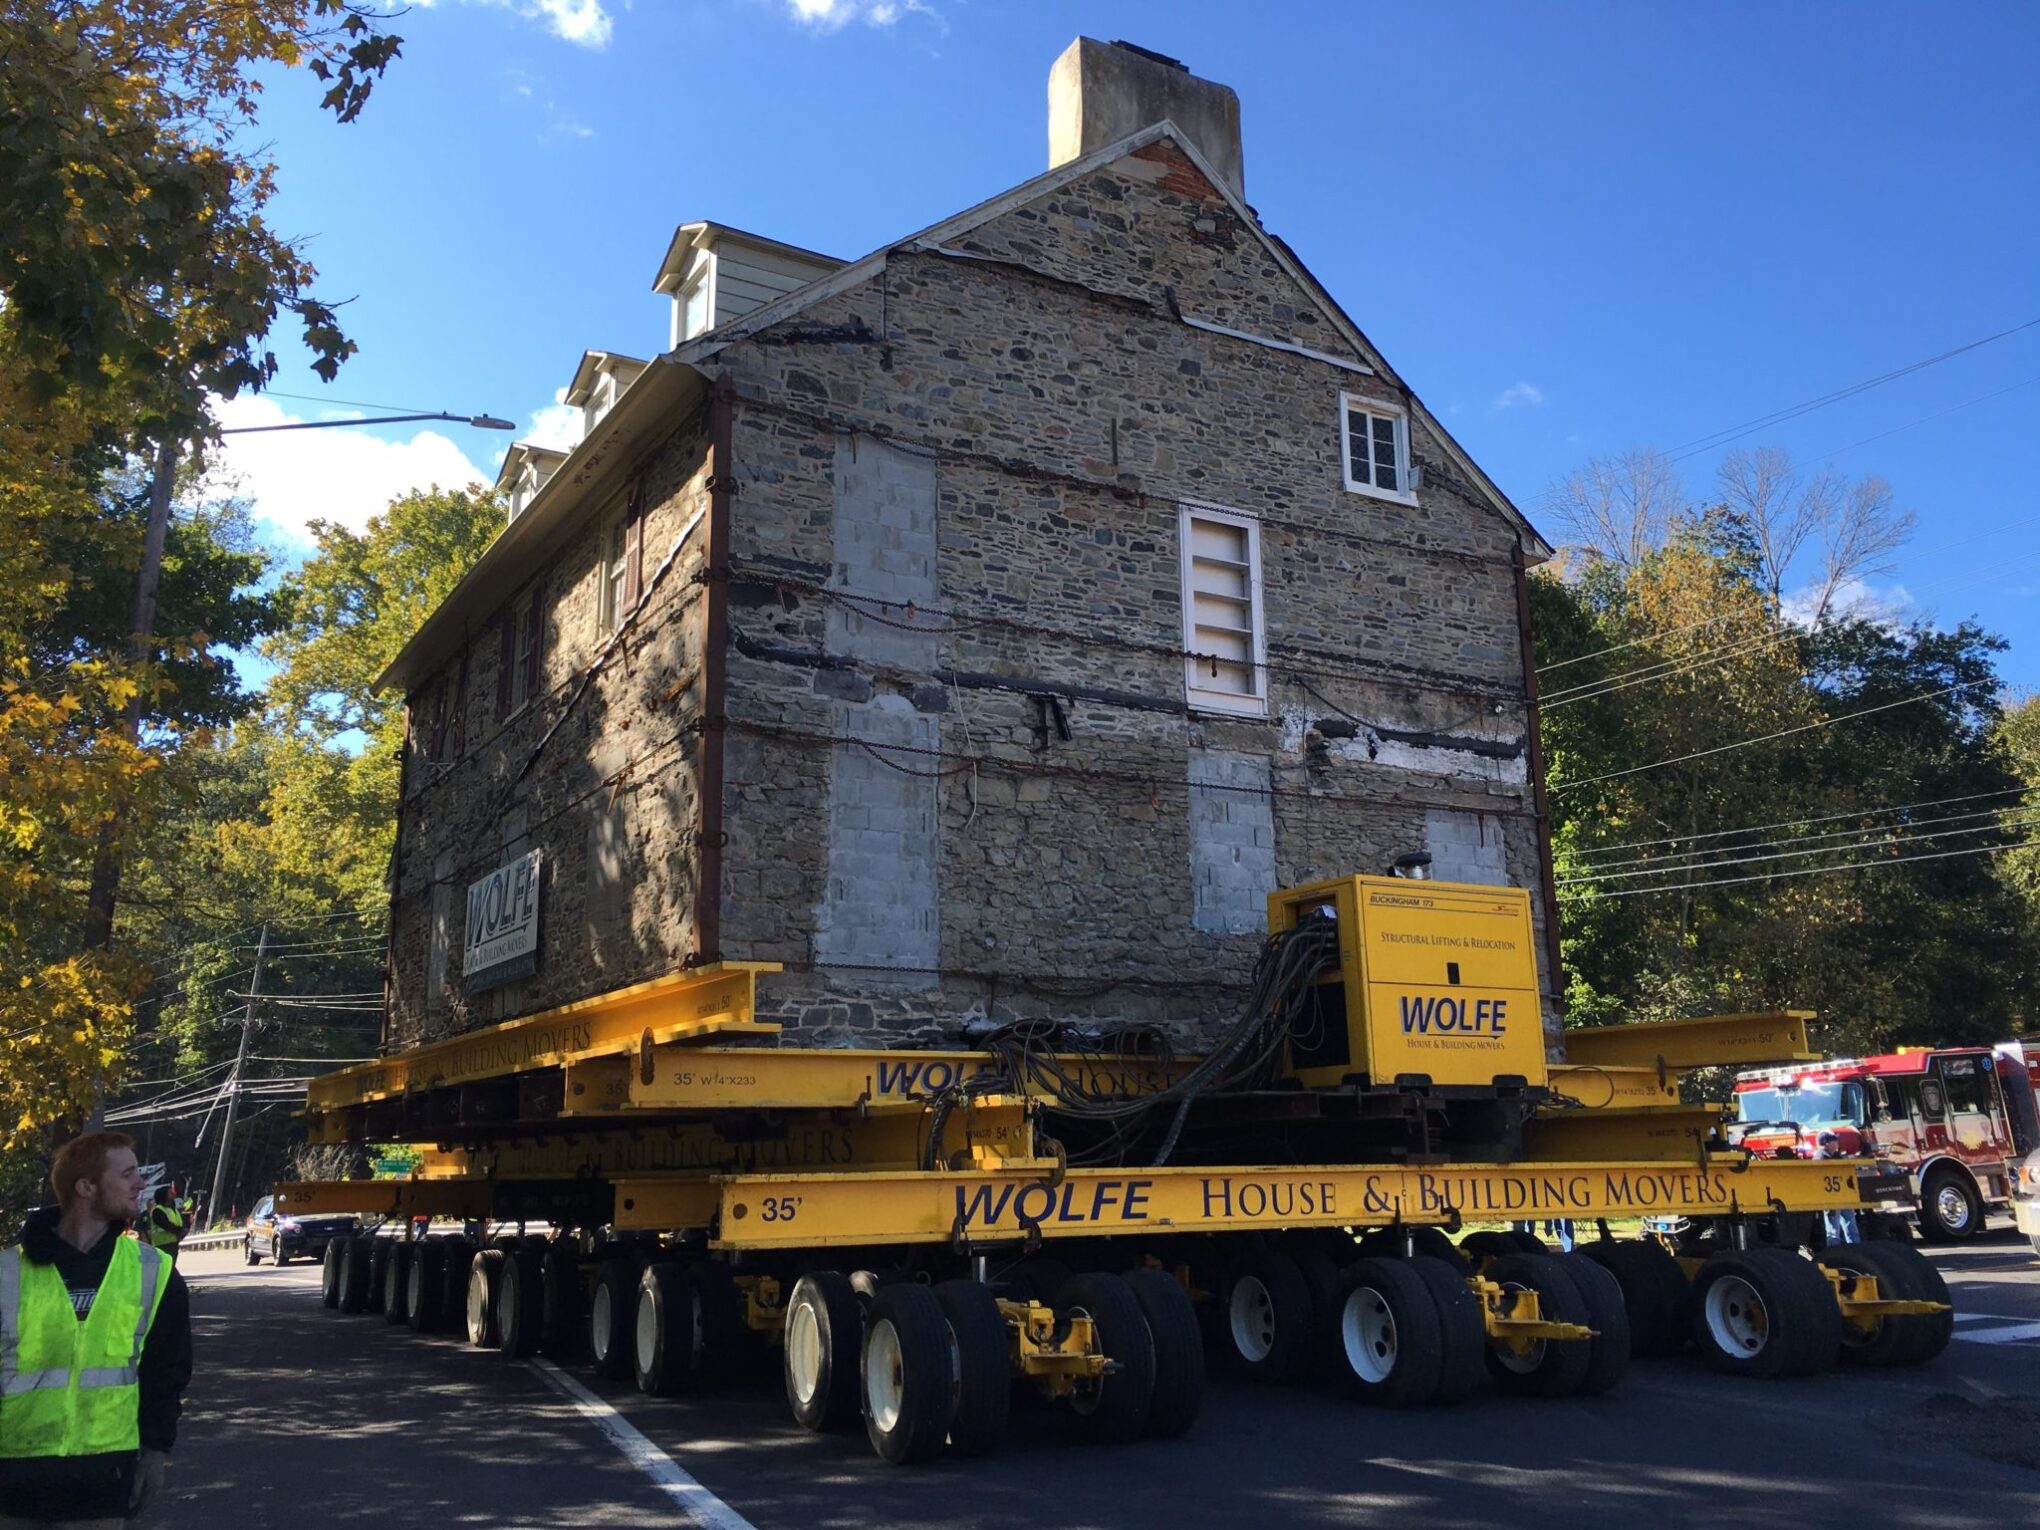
{"type": "Point", "coordinates": [96, 1487]}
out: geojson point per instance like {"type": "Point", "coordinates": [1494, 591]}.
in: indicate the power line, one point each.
{"type": "Point", "coordinates": [1927, 418]}
{"type": "Point", "coordinates": [2021, 821]}
{"type": "Point", "coordinates": [1721, 438]}
{"type": "Point", "coordinates": [1789, 823]}
{"type": "Point", "coordinates": [1814, 871]}
{"type": "Point", "coordinates": [1825, 722]}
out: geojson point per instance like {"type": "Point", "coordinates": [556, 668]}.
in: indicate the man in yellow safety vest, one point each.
{"type": "Point", "coordinates": [95, 1349]}
{"type": "Point", "coordinates": [164, 1225]}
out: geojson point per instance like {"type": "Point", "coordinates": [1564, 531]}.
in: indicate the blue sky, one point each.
{"type": "Point", "coordinates": [1575, 229]}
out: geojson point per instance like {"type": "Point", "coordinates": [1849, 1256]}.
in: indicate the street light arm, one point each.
{"type": "Point", "coordinates": [479, 421]}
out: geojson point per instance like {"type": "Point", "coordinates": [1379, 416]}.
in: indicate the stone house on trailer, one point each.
{"type": "Point", "coordinates": [978, 629]}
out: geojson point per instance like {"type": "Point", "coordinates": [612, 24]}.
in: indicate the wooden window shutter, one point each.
{"type": "Point", "coordinates": [634, 547]}
{"type": "Point", "coordinates": [460, 706]}
{"type": "Point", "coordinates": [534, 642]}
{"type": "Point", "coordinates": [441, 702]}
{"type": "Point", "coordinates": [506, 662]}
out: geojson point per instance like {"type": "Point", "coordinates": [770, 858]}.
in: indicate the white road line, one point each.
{"type": "Point", "coordinates": [694, 1500]}
{"type": "Point", "coordinates": [2017, 1334]}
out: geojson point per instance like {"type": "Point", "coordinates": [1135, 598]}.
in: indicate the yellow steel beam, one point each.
{"type": "Point", "coordinates": [791, 1078]}
{"type": "Point", "coordinates": [659, 1203]}
{"type": "Point", "coordinates": [704, 998]}
{"type": "Point", "coordinates": [817, 1210]}
{"type": "Point", "coordinates": [1592, 1087]}
{"type": "Point", "coordinates": [1670, 1132]}
{"type": "Point", "coordinates": [1712, 1041]}
{"type": "Point", "coordinates": [837, 1140]}
{"type": "Point", "coordinates": [388, 1197]}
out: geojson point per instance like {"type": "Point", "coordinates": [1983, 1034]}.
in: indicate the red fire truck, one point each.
{"type": "Point", "coordinates": [1959, 1119]}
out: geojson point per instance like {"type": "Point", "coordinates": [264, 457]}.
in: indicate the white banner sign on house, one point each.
{"type": "Point", "coordinates": [502, 925]}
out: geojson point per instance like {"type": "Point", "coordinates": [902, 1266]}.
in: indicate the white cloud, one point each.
{"type": "Point", "coordinates": [1515, 395]}
{"type": "Point", "coordinates": [833, 15]}
{"type": "Point", "coordinates": [293, 477]}
{"type": "Point", "coordinates": [1855, 600]}
{"type": "Point", "coordinates": [583, 22]}
{"type": "Point", "coordinates": [556, 425]}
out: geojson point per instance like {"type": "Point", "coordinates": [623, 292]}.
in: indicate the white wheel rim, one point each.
{"type": "Point", "coordinates": [885, 1381]}
{"type": "Point", "coordinates": [478, 1305]}
{"type": "Point", "coordinates": [1953, 1207]}
{"type": "Point", "coordinates": [1367, 1328]}
{"type": "Point", "coordinates": [414, 1283]}
{"type": "Point", "coordinates": [1525, 1361]}
{"type": "Point", "coordinates": [598, 1322]}
{"type": "Point", "coordinates": [1737, 1319]}
{"type": "Point", "coordinates": [647, 1332]}
{"type": "Point", "coordinates": [804, 1353]}
{"type": "Point", "coordinates": [1252, 1315]}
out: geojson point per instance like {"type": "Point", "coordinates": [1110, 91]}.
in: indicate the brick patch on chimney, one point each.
{"type": "Point", "coordinates": [1182, 177]}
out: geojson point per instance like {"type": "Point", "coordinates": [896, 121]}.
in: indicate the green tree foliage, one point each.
{"type": "Point", "coordinates": [1785, 872]}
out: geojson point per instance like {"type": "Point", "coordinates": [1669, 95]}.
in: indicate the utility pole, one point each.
{"type": "Point", "coordinates": [219, 1183]}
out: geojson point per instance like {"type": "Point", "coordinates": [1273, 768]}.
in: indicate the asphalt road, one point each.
{"type": "Point", "coordinates": [302, 1417]}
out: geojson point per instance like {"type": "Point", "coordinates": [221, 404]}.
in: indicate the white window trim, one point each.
{"type": "Point", "coordinates": [1351, 401]}
{"type": "Point", "coordinates": [522, 619]}
{"type": "Point", "coordinates": [608, 605]}
{"type": "Point", "coordinates": [601, 399]}
{"type": "Point", "coordinates": [1202, 698]}
{"type": "Point", "coordinates": [701, 274]}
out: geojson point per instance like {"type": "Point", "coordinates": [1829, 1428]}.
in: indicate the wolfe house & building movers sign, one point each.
{"type": "Point", "coordinates": [502, 926]}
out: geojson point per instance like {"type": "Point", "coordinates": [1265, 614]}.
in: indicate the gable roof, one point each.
{"type": "Point", "coordinates": [704, 346]}
{"type": "Point", "coordinates": [672, 382]}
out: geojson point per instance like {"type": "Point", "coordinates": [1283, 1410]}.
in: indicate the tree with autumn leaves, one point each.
{"type": "Point", "coordinates": [138, 277]}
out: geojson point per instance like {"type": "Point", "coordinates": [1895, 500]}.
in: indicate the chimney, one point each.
{"type": "Point", "coordinates": [1099, 93]}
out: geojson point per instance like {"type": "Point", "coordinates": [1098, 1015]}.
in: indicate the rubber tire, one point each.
{"type": "Point", "coordinates": [378, 1263]}
{"type": "Point", "coordinates": [1932, 1228]}
{"type": "Point", "coordinates": [1405, 1297]}
{"type": "Point", "coordinates": [1117, 1411]}
{"type": "Point", "coordinates": [1477, 1246]}
{"type": "Point", "coordinates": [1179, 1351]}
{"type": "Point", "coordinates": [562, 1329]}
{"type": "Point", "coordinates": [1424, 1243]}
{"type": "Point", "coordinates": [484, 1327]}
{"type": "Point", "coordinates": [329, 1276]}
{"type": "Point", "coordinates": [828, 1297]}
{"type": "Point", "coordinates": [277, 1256]}
{"type": "Point", "coordinates": [1038, 1280]}
{"type": "Point", "coordinates": [1904, 1274]}
{"type": "Point", "coordinates": [726, 1335]}
{"type": "Point", "coordinates": [1322, 1275]}
{"type": "Point", "coordinates": [983, 1399]}
{"type": "Point", "coordinates": [618, 1278]}
{"type": "Point", "coordinates": [460, 1258]}
{"type": "Point", "coordinates": [248, 1255]}
{"type": "Point", "coordinates": [520, 1303]}
{"type": "Point", "coordinates": [396, 1303]}
{"type": "Point", "coordinates": [1805, 1322]}
{"type": "Point", "coordinates": [920, 1429]}
{"type": "Point", "coordinates": [354, 1275]}
{"type": "Point", "coordinates": [1291, 1319]}
{"type": "Point", "coordinates": [1462, 1330]}
{"type": "Point", "coordinates": [1563, 1367]}
{"type": "Point", "coordinates": [665, 1300]}
{"type": "Point", "coordinates": [1655, 1293]}
{"type": "Point", "coordinates": [424, 1301]}
{"type": "Point", "coordinates": [1608, 1315]}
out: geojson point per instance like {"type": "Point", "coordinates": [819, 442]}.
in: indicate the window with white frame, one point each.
{"type": "Point", "coordinates": [1223, 667]}
{"type": "Point", "coordinates": [601, 398]}
{"type": "Point", "coordinates": [523, 489]}
{"type": "Point", "coordinates": [1375, 438]}
{"type": "Point", "coordinates": [695, 298]}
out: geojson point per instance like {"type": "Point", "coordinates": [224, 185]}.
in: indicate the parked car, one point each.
{"type": "Point", "coordinates": [274, 1234]}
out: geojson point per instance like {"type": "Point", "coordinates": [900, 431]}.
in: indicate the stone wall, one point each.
{"type": "Point", "coordinates": [1101, 849]}
{"type": "Point", "coordinates": [609, 797]}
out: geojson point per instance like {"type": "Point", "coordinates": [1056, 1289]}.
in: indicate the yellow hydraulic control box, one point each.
{"type": "Point", "coordinates": [1436, 981]}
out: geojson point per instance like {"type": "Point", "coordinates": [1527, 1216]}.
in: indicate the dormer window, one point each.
{"type": "Point", "coordinates": [601, 399]}
{"type": "Point", "coordinates": [694, 312]}
{"type": "Point", "coordinates": [523, 490]}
